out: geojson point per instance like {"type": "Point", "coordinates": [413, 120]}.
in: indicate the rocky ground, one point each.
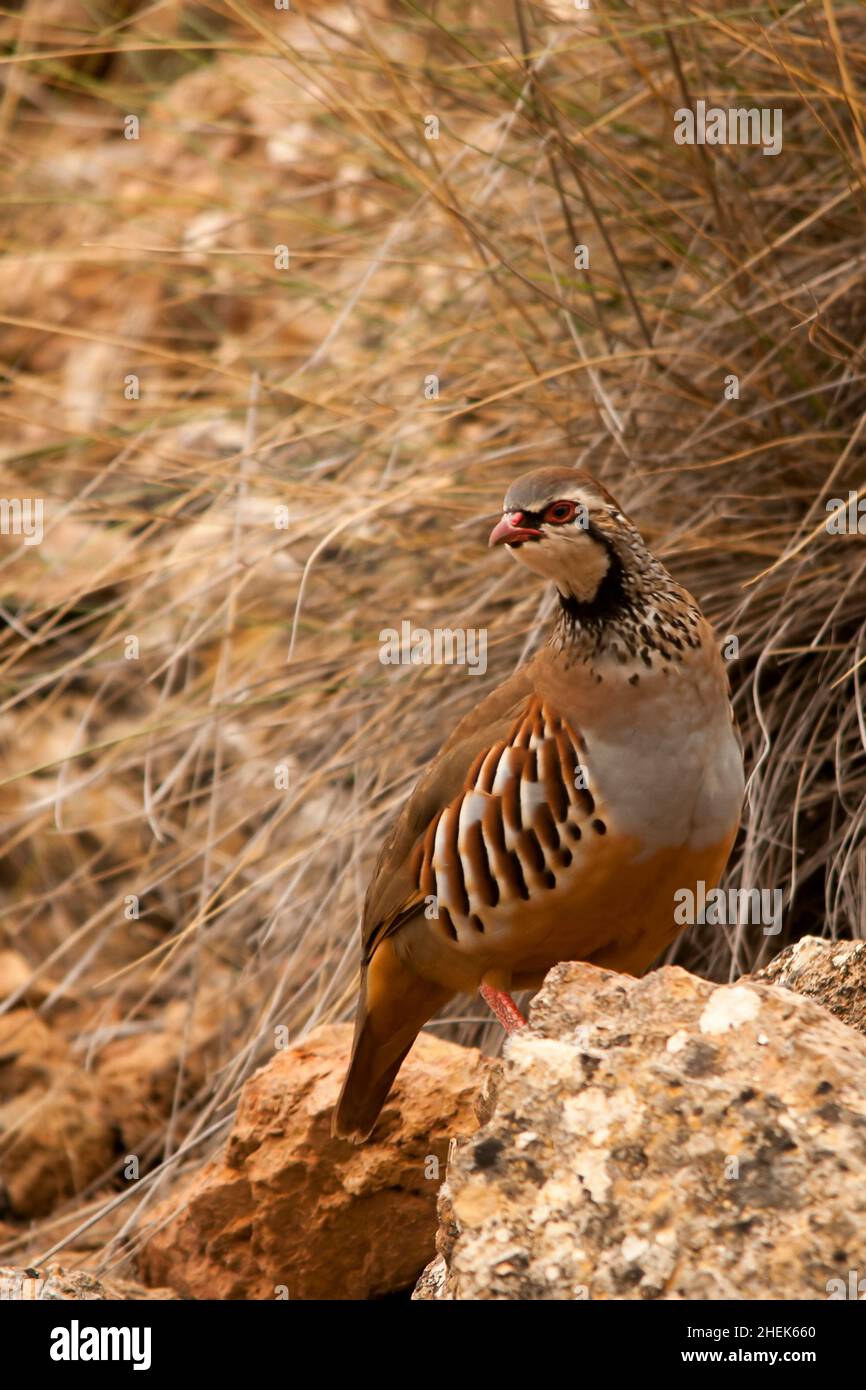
{"type": "Point", "coordinates": [656, 1138]}
{"type": "Point", "coordinates": [662, 1138]}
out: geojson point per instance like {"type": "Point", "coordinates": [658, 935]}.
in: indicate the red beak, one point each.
{"type": "Point", "coordinates": [509, 531]}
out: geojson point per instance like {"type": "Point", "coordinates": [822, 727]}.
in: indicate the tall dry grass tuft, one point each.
{"type": "Point", "coordinates": [201, 748]}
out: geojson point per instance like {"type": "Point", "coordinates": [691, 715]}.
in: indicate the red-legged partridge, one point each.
{"type": "Point", "coordinates": [566, 810]}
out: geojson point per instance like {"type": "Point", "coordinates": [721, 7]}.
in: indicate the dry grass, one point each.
{"type": "Point", "coordinates": [304, 387]}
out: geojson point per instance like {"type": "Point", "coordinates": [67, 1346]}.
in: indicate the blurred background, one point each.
{"type": "Point", "coordinates": [288, 298]}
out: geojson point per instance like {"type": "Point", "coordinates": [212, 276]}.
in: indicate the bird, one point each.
{"type": "Point", "coordinates": [563, 813]}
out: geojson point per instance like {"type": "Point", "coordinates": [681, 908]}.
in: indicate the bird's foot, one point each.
{"type": "Point", "coordinates": [503, 1006]}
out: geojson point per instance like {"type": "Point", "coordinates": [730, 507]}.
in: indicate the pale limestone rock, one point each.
{"type": "Point", "coordinates": [831, 972]}
{"type": "Point", "coordinates": [663, 1138]}
{"type": "Point", "coordinates": [56, 1284]}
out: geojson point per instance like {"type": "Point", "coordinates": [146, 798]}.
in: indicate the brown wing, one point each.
{"type": "Point", "coordinates": [393, 895]}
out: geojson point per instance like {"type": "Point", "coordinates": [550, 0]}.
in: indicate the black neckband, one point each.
{"type": "Point", "coordinates": [610, 597]}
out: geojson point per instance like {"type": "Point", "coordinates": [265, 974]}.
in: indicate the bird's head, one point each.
{"type": "Point", "coordinates": [565, 526]}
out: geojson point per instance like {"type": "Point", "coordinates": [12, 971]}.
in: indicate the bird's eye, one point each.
{"type": "Point", "coordinates": [560, 512]}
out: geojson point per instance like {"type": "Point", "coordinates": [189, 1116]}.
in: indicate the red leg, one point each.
{"type": "Point", "coordinates": [503, 1006]}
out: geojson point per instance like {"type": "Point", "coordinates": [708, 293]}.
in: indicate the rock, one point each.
{"type": "Point", "coordinates": [56, 1130]}
{"type": "Point", "coordinates": [140, 1071]}
{"type": "Point", "coordinates": [434, 1282]}
{"type": "Point", "coordinates": [30, 1053]}
{"type": "Point", "coordinates": [664, 1138]}
{"type": "Point", "coordinates": [17, 977]}
{"type": "Point", "coordinates": [831, 972]}
{"type": "Point", "coordinates": [57, 1283]}
{"type": "Point", "coordinates": [62, 1125]}
{"type": "Point", "coordinates": [287, 1211]}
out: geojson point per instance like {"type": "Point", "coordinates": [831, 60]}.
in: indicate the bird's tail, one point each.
{"type": "Point", "coordinates": [393, 1008]}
